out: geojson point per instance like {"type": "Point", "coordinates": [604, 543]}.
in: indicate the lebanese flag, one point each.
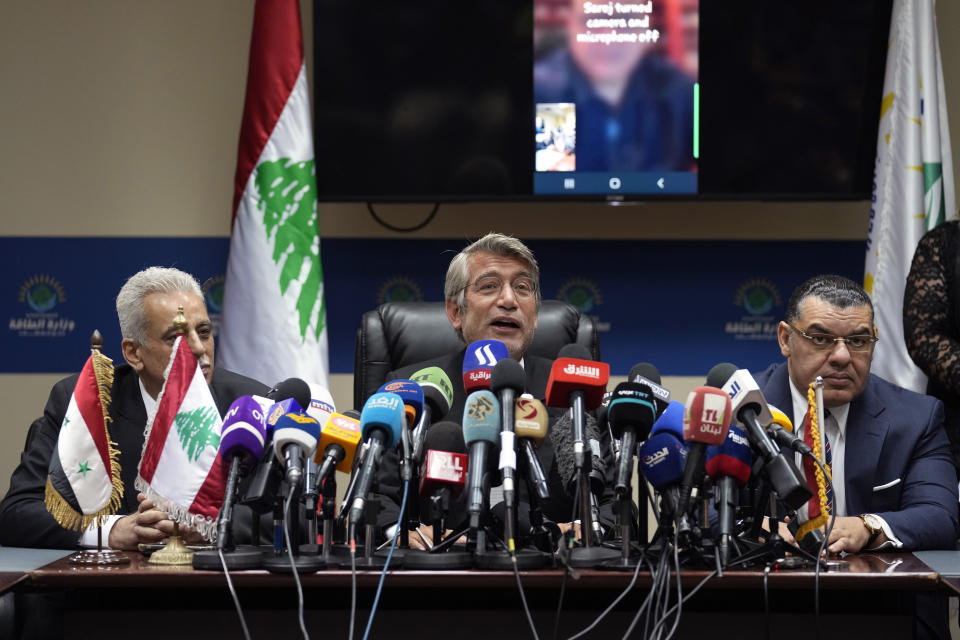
{"type": "Point", "coordinates": [274, 318]}
{"type": "Point", "coordinates": [83, 481]}
{"type": "Point", "coordinates": [181, 470]}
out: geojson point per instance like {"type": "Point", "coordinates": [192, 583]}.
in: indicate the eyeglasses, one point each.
{"type": "Point", "coordinates": [826, 341]}
{"type": "Point", "coordinates": [523, 287]}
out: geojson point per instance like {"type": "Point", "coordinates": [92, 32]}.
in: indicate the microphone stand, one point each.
{"type": "Point", "coordinates": [589, 554]}
{"type": "Point", "coordinates": [438, 558]}
{"type": "Point", "coordinates": [235, 559]}
{"type": "Point", "coordinates": [279, 562]}
{"type": "Point", "coordinates": [329, 493]}
{"type": "Point", "coordinates": [774, 548]}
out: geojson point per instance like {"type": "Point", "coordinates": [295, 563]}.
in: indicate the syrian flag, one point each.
{"type": "Point", "coordinates": [274, 319]}
{"type": "Point", "coordinates": [181, 470]}
{"type": "Point", "coordinates": [83, 481]}
{"type": "Point", "coordinates": [913, 188]}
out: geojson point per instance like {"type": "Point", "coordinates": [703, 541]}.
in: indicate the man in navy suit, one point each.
{"type": "Point", "coordinates": [896, 487]}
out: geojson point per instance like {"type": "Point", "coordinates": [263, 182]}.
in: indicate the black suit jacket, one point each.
{"type": "Point", "coordinates": [24, 520]}
{"type": "Point", "coordinates": [558, 508]}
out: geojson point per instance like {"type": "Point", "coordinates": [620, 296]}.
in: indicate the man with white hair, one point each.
{"type": "Point", "coordinates": [146, 307]}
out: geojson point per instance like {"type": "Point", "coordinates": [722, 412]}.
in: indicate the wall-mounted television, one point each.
{"type": "Point", "coordinates": [431, 100]}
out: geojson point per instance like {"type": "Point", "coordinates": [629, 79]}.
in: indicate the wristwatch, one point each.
{"type": "Point", "coordinates": [873, 525]}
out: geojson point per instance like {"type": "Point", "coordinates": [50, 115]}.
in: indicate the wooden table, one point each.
{"type": "Point", "coordinates": [875, 594]}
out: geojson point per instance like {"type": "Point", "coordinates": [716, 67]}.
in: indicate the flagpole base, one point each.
{"type": "Point", "coordinates": [94, 558]}
{"type": "Point", "coordinates": [174, 553]}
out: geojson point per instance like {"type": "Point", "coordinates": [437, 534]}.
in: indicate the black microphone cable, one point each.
{"type": "Point", "coordinates": [523, 597]}
{"type": "Point", "coordinates": [233, 594]}
{"type": "Point", "coordinates": [293, 563]}
{"type": "Point", "coordinates": [617, 600]}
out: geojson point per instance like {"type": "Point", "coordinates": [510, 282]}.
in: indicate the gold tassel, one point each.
{"type": "Point", "coordinates": [821, 520]}
{"type": "Point", "coordinates": [103, 372]}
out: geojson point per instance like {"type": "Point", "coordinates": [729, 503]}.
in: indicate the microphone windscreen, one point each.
{"type": "Point", "coordinates": [321, 404]}
{"type": "Point", "coordinates": [280, 409]}
{"type": "Point", "coordinates": [645, 370]}
{"type": "Point", "coordinates": [561, 436]}
{"type": "Point", "coordinates": [244, 431]}
{"type": "Point", "coordinates": [291, 388]}
{"type": "Point", "coordinates": [574, 350]}
{"type": "Point", "coordinates": [437, 390]}
{"type": "Point", "coordinates": [632, 406]}
{"type": "Point", "coordinates": [507, 374]}
{"type": "Point", "coordinates": [478, 360]}
{"type": "Point", "coordinates": [411, 394]}
{"type": "Point", "coordinates": [707, 417]}
{"type": "Point", "coordinates": [662, 459]}
{"type": "Point", "coordinates": [344, 431]}
{"type": "Point", "coordinates": [384, 413]}
{"type": "Point", "coordinates": [481, 417]}
{"type": "Point", "coordinates": [352, 413]}
{"type": "Point", "coordinates": [295, 428]}
{"type": "Point", "coordinates": [720, 373]}
{"type": "Point", "coordinates": [445, 436]}
{"type": "Point", "coordinates": [780, 418]}
{"type": "Point", "coordinates": [670, 421]}
{"type": "Point", "coordinates": [732, 458]}
{"type": "Point", "coordinates": [530, 419]}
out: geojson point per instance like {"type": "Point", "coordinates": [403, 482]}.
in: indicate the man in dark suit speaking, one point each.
{"type": "Point", "coordinates": [492, 292]}
{"type": "Point", "coordinates": [146, 307]}
{"type": "Point", "coordinates": [896, 487]}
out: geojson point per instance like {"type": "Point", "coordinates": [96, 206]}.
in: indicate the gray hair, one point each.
{"type": "Point", "coordinates": [458, 273]}
{"type": "Point", "coordinates": [139, 286]}
{"type": "Point", "coordinates": [837, 291]}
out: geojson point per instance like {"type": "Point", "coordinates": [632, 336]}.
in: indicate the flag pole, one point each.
{"type": "Point", "coordinates": [175, 552]}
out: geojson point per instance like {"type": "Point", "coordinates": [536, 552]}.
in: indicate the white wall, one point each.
{"type": "Point", "coordinates": [121, 117]}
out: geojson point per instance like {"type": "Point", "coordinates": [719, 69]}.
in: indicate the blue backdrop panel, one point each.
{"type": "Point", "coordinates": [684, 306]}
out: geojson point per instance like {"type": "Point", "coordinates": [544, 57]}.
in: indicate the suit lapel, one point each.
{"type": "Point", "coordinates": [865, 434]}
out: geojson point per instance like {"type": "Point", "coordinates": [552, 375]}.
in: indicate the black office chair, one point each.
{"type": "Point", "coordinates": [397, 334]}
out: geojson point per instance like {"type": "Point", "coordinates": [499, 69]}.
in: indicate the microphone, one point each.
{"type": "Point", "coordinates": [646, 373]}
{"type": "Point", "coordinates": [578, 383]}
{"type": "Point", "coordinates": [321, 404]}
{"type": "Point", "coordinates": [531, 424]}
{"type": "Point", "coordinates": [294, 388]}
{"type": "Point", "coordinates": [241, 445]}
{"type": "Point", "coordinates": [662, 459]}
{"type": "Point", "coordinates": [437, 398]}
{"type": "Point", "coordinates": [285, 397]}
{"type": "Point", "coordinates": [630, 414]}
{"type": "Point", "coordinates": [337, 447]}
{"type": "Point", "coordinates": [507, 380]}
{"type": "Point", "coordinates": [705, 422]}
{"type": "Point", "coordinates": [478, 360]}
{"type": "Point", "coordinates": [728, 465]}
{"type": "Point", "coordinates": [381, 423]}
{"type": "Point", "coordinates": [481, 428]}
{"type": "Point", "coordinates": [294, 437]}
{"type": "Point", "coordinates": [412, 396]}
{"type": "Point", "coordinates": [751, 413]}
{"type": "Point", "coordinates": [444, 470]}
{"type": "Point", "coordinates": [781, 428]}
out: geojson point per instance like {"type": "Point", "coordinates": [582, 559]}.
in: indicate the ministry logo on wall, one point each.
{"type": "Point", "coordinates": [760, 299]}
{"type": "Point", "coordinates": [399, 289]}
{"type": "Point", "coordinates": [213, 296]}
{"type": "Point", "coordinates": [41, 295]}
{"type": "Point", "coordinates": [585, 295]}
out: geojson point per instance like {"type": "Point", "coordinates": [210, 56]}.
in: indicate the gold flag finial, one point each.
{"type": "Point", "coordinates": [180, 322]}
